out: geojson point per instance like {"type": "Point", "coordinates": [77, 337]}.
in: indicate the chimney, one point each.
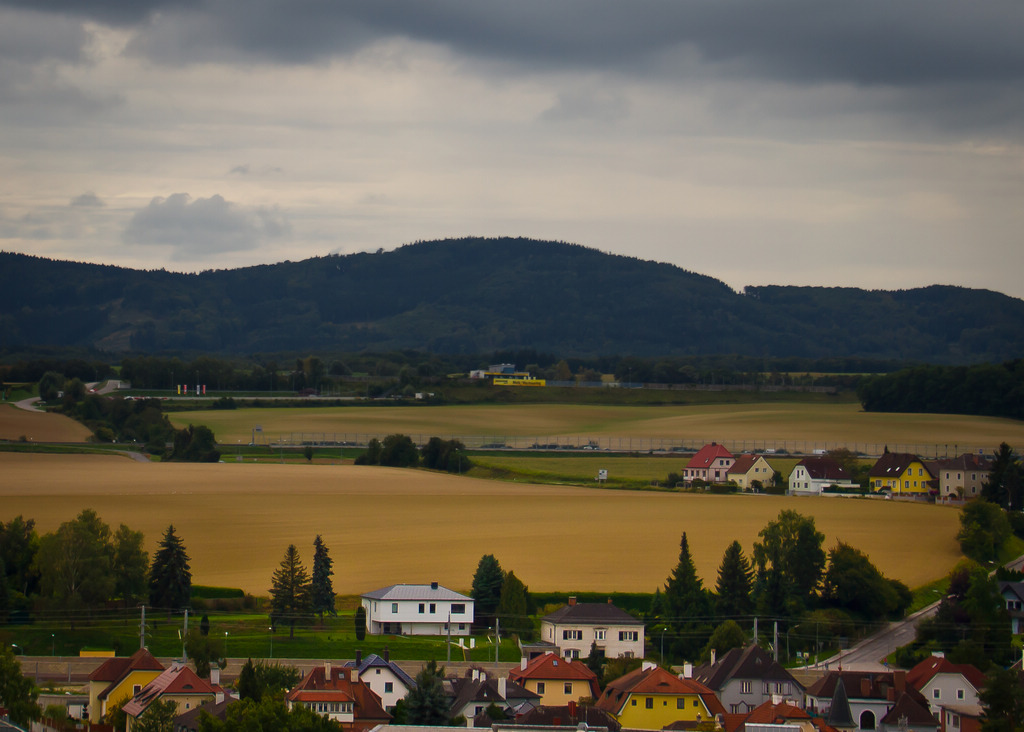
{"type": "Point", "coordinates": [714, 655]}
{"type": "Point", "coordinates": [503, 687]}
{"type": "Point", "coordinates": [433, 585]}
{"type": "Point", "coordinates": [865, 687]}
{"type": "Point", "coordinates": [327, 671]}
{"type": "Point", "coordinates": [522, 663]}
{"type": "Point", "coordinates": [355, 675]}
{"type": "Point", "coordinates": [899, 680]}
{"type": "Point", "coordinates": [687, 670]}
{"type": "Point", "coordinates": [214, 674]}
{"type": "Point", "coordinates": [572, 601]}
{"type": "Point", "coordinates": [387, 655]}
{"type": "Point", "coordinates": [359, 657]}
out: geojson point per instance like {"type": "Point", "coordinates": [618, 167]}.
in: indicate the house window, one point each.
{"type": "Point", "coordinates": [422, 608]}
{"type": "Point", "coordinates": [599, 634]}
{"type": "Point", "coordinates": [744, 687]}
{"type": "Point", "coordinates": [681, 704]}
{"type": "Point", "coordinates": [572, 654]}
{"type": "Point", "coordinates": [936, 694]}
{"type": "Point", "coordinates": [629, 635]}
{"type": "Point", "coordinates": [394, 607]}
{"type": "Point", "coordinates": [632, 702]}
{"type": "Point", "coordinates": [389, 687]}
{"type": "Point", "coordinates": [433, 608]}
{"type": "Point", "coordinates": [458, 608]}
{"type": "Point", "coordinates": [567, 688]}
{"type": "Point", "coordinates": [649, 702]}
{"type": "Point", "coordinates": [540, 687]}
{"type": "Point", "coordinates": [572, 635]}
{"type": "Point", "coordinates": [960, 694]}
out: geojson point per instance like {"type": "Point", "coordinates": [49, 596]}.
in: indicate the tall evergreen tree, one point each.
{"type": "Point", "coordinates": [322, 588]}
{"type": "Point", "coordinates": [5, 594]}
{"type": "Point", "coordinates": [486, 592]}
{"type": "Point", "coordinates": [1005, 484]}
{"type": "Point", "coordinates": [735, 582]}
{"type": "Point", "coordinates": [687, 605]}
{"type": "Point", "coordinates": [1002, 699]}
{"type": "Point", "coordinates": [170, 578]}
{"type": "Point", "coordinates": [426, 704]}
{"type": "Point", "coordinates": [290, 597]}
{"type": "Point", "coordinates": [513, 608]}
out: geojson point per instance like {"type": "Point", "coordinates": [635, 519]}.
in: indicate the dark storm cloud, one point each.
{"type": "Point", "coordinates": [115, 12]}
{"type": "Point", "coordinates": [204, 226]}
{"type": "Point", "coordinates": [874, 42]}
{"type": "Point", "coordinates": [88, 200]}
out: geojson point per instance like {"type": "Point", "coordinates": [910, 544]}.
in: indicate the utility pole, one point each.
{"type": "Point", "coordinates": [775, 641]}
{"type": "Point", "coordinates": [184, 635]}
{"type": "Point", "coordinates": [497, 641]}
{"type": "Point", "coordinates": [449, 627]}
{"type": "Point", "coordinates": [142, 629]}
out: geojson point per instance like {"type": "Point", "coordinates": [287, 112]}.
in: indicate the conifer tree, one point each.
{"type": "Point", "coordinates": [513, 608]}
{"type": "Point", "coordinates": [170, 578]}
{"type": "Point", "coordinates": [735, 582]}
{"type": "Point", "coordinates": [687, 605]}
{"type": "Point", "coordinates": [322, 588]}
{"type": "Point", "coordinates": [290, 597]}
{"type": "Point", "coordinates": [426, 704]}
{"type": "Point", "coordinates": [486, 590]}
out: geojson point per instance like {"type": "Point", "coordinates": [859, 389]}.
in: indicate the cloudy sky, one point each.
{"type": "Point", "coordinates": [873, 144]}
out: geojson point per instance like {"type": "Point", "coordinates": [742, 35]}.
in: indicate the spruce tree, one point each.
{"type": "Point", "coordinates": [322, 588]}
{"type": "Point", "coordinates": [735, 582]}
{"type": "Point", "coordinates": [687, 606]}
{"type": "Point", "coordinates": [486, 590]}
{"type": "Point", "coordinates": [426, 703]}
{"type": "Point", "coordinates": [170, 578]}
{"type": "Point", "coordinates": [513, 608]}
{"type": "Point", "coordinates": [290, 597]}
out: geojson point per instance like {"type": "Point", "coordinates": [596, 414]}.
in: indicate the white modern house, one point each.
{"type": "Point", "coordinates": [417, 610]}
{"type": "Point", "coordinates": [813, 475]}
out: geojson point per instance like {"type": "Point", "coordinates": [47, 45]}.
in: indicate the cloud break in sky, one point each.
{"type": "Point", "coordinates": [871, 144]}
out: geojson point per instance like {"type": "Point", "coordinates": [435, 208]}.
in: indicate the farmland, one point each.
{"type": "Point", "coordinates": [39, 426]}
{"type": "Point", "coordinates": [387, 525]}
{"type": "Point", "coordinates": [798, 422]}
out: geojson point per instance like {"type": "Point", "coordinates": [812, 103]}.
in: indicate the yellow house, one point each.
{"type": "Point", "coordinates": [901, 473]}
{"type": "Point", "coordinates": [118, 679]}
{"type": "Point", "coordinates": [178, 684]}
{"type": "Point", "coordinates": [653, 698]}
{"type": "Point", "coordinates": [556, 680]}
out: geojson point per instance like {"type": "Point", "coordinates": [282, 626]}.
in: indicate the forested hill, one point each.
{"type": "Point", "coordinates": [482, 295]}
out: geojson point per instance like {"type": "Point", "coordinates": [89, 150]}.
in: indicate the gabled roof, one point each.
{"type": "Point", "coordinates": [769, 713]}
{"type": "Point", "coordinates": [751, 662]}
{"type": "Point", "coordinates": [317, 686]}
{"type": "Point", "coordinates": [930, 667]}
{"type": "Point", "coordinates": [824, 468]}
{"type": "Point", "coordinates": [915, 713]}
{"type": "Point", "coordinates": [487, 691]}
{"type": "Point", "coordinates": [177, 680]}
{"type": "Point", "coordinates": [431, 592]}
{"type": "Point", "coordinates": [190, 720]}
{"type": "Point", "coordinates": [707, 455]}
{"type": "Point", "coordinates": [570, 716]}
{"type": "Point", "coordinates": [967, 461]}
{"type": "Point", "coordinates": [893, 465]}
{"type": "Point", "coordinates": [879, 685]}
{"type": "Point", "coordinates": [744, 463]}
{"type": "Point", "coordinates": [591, 613]}
{"type": "Point", "coordinates": [655, 680]}
{"type": "Point", "coordinates": [550, 666]}
{"type": "Point", "coordinates": [374, 661]}
{"type": "Point", "coordinates": [116, 670]}
{"type": "Point", "coordinates": [1014, 588]}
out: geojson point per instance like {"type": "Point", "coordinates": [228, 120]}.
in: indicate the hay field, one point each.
{"type": "Point", "coordinates": [39, 426]}
{"type": "Point", "coordinates": [806, 422]}
{"type": "Point", "coordinates": [388, 525]}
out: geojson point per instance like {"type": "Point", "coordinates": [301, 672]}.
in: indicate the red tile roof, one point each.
{"type": "Point", "coordinates": [115, 669]}
{"type": "Point", "coordinates": [707, 455]}
{"type": "Point", "coordinates": [655, 681]}
{"type": "Point", "coordinates": [338, 686]}
{"type": "Point", "coordinates": [927, 669]}
{"type": "Point", "coordinates": [743, 464]}
{"type": "Point", "coordinates": [176, 680]}
{"type": "Point", "coordinates": [551, 666]}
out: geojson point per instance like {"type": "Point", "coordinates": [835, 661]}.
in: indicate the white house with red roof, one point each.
{"type": "Point", "coordinates": [711, 464]}
{"type": "Point", "coordinates": [749, 468]}
{"type": "Point", "coordinates": [943, 682]}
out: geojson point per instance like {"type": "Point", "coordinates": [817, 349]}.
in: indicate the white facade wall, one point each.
{"type": "Point", "coordinates": [418, 617]}
{"type": "Point", "coordinates": [386, 684]}
{"type": "Point", "coordinates": [574, 640]}
{"type": "Point", "coordinates": [948, 690]}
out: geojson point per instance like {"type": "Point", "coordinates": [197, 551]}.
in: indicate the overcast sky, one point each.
{"type": "Point", "coordinates": [871, 144]}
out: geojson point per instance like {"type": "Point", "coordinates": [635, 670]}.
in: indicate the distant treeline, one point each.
{"type": "Point", "coordinates": [992, 390]}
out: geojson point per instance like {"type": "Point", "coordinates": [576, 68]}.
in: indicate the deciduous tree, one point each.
{"type": "Point", "coordinates": [790, 561]}
{"type": "Point", "coordinates": [75, 563]}
{"type": "Point", "coordinates": [17, 692]}
{"type": "Point", "coordinates": [131, 563]}
{"type": "Point", "coordinates": [158, 717]}
{"type": "Point", "coordinates": [170, 578]}
{"type": "Point", "coordinates": [290, 598]}
{"type": "Point", "coordinates": [984, 528]}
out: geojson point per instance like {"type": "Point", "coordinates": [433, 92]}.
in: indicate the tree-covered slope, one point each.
{"type": "Point", "coordinates": [479, 295]}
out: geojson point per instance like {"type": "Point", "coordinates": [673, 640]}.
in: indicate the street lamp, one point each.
{"type": "Point", "coordinates": [225, 644]}
{"type": "Point", "coordinates": [15, 645]}
{"type": "Point", "coordinates": [53, 644]}
{"type": "Point", "coordinates": [271, 629]}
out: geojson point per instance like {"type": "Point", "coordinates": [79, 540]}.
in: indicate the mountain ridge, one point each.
{"type": "Point", "coordinates": [476, 295]}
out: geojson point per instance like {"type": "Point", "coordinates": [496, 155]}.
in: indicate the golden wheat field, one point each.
{"type": "Point", "coordinates": [16, 423]}
{"type": "Point", "coordinates": [388, 525]}
{"type": "Point", "coordinates": [803, 422]}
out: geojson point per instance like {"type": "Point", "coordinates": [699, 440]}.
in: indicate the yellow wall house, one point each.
{"type": "Point", "coordinates": [902, 474]}
{"type": "Point", "coordinates": [178, 684]}
{"type": "Point", "coordinates": [556, 680]}
{"type": "Point", "coordinates": [118, 679]}
{"type": "Point", "coordinates": [652, 698]}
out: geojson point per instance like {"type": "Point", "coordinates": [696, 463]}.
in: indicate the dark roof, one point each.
{"type": "Point", "coordinates": [569, 716]}
{"type": "Point", "coordinates": [839, 713]}
{"type": "Point", "coordinates": [485, 691]}
{"type": "Point", "coordinates": [592, 613]}
{"type": "Point", "coordinates": [892, 464]}
{"type": "Point", "coordinates": [189, 721]}
{"type": "Point", "coordinates": [375, 661]}
{"type": "Point", "coordinates": [916, 713]}
{"type": "Point", "coordinates": [752, 662]}
{"type": "Point", "coordinates": [1017, 588]}
{"type": "Point", "coordinates": [882, 685]}
{"type": "Point", "coordinates": [824, 468]}
{"type": "Point", "coordinates": [744, 463]}
{"type": "Point", "coordinates": [967, 461]}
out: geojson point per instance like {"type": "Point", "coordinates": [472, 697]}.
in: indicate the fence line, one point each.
{"type": "Point", "coordinates": [640, 445]}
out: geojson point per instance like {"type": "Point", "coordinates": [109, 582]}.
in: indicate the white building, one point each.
{"type": "Point", "coordinates": [574, 627]}
{"type": "Point", "coordinates": [417, 610]}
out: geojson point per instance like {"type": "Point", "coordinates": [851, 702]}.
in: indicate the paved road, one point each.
{"type": "Point", "coordinates": [870, 653]}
